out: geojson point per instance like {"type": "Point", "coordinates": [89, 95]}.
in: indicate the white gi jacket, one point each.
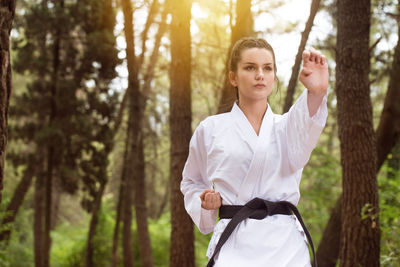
{"type": "Point", "coordinates": [226, 153]}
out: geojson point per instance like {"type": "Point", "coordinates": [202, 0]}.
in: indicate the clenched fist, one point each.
{"type": "Point", "coordinates": [314, 75]}
{"type": "Point", "coordinates": [210, 200]}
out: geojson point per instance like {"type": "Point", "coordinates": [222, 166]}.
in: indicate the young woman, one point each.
{"type": "Point", "coordinates": [247, 164]}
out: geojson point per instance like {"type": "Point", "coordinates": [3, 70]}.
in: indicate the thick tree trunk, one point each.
{"type": "Point", "coordinates": [182, 236]}
{"type": "Point", "coordinates": [387, 134]}
{"type": "Point", "coordinates": [89, 261]}
{"type": "Point", "coordinates": [243, 28]}
{"type": "Point", "coordinates": [360, 218]}
{"type": "Point", "coordinates": [7, 11]}
{"type": "Point", "coordinates": [17, 199]}
{"type": "Point", "coordinates": [296, 67]}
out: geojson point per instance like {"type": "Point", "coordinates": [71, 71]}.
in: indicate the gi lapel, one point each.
{"type": "Point", "coordinates": [256, 167]}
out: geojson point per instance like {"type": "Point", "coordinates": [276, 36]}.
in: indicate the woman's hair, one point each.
{"type": "Point", "coordinates": [247, 43]}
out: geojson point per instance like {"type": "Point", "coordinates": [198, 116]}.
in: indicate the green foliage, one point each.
{"type": "Point", "coordinates": [201, 245]}
{"type": "Point", "coordinates": [160, 238]}
{"type": "Point", "coordinates": [19, 251]}
{"type": "Point", "coordinates": [389, 200]}
{"type": "Point", "coordinates": [320, 188]}
{"type": "Point", "coordinates": [70, 241]}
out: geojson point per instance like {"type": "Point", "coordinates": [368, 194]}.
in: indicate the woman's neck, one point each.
{"type": "Point", "coordinates": [254, 111]}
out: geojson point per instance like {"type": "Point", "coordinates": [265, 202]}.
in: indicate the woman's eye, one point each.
{"type": "Point", "coordinates": [249, 68]}
{"type": "Point", "coordinates": [268, 68]}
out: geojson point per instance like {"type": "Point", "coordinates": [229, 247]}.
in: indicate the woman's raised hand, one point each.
{"type": "Point", "coordinates": [314, 75]}
{"type": "Point", "coordinates": [210, 200]}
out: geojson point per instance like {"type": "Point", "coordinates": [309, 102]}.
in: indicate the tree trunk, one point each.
{"type": "Point", "coordinates": [114, 260]}
{"type": "Point", "coordinates": [120, 205]}
{"type": "Point", "coordinates": [133, 84]}
{"type": "Point", "coordinates": [387, 134]}
{"type": "Point", "coordinates": [328, 248]}
{"type": "Point", "coordinates": [7, 11]}
{"type": "Point", "coordinates": [17, 199]}
{"type": "Point", "coordinates": [243, 28]}
{"type": "Point", "coordinates": [296, 67]}
{"type": "Point", "coordinates": [138, 109]}
{"type": "Point", "coordinates": [182, 236]}
{"type": "Point", "coordinates": [38, 223]}
{"type": "Point", "coordinates": [127, 248]}
{"type": "Point", "coordinates": [146, 254]}
{"type": "Point", "coordinates": [89, 262]}
{"type": "Point", "coordinates": [388, 131]}
{"type": "Point", "coordinates": [360, 234]}
{"type": "Point", "coordinates": [51, 148]}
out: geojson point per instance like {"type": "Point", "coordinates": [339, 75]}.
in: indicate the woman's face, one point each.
{"type": "Point", "coordinates": [255, 74]}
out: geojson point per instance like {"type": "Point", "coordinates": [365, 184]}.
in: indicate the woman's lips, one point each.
{"type": "Point", "coordinates": [260, 85]}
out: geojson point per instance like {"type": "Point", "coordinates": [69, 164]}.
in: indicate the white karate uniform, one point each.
{"type": "Point", "coordinates": [226, 153]}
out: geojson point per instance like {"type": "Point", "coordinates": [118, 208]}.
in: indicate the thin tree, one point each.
{"type": "Point", "coordinates": [243, 27]}
{"type": "Point", "coordinates": [7, 11]}
{"type": "Point", "coordinates": [182, 236]}
{"type": "Point", "coordinates": [360, 221]}
{"type": "Point", "coordinates": [133, 83]}
{"type": "Point", "coordinates": [134, 178]}
{"type": "Point", "coordinates": [296, 66]}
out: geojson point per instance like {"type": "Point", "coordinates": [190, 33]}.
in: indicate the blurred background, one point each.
{"type": "Point", "coordinates": [105, 96]}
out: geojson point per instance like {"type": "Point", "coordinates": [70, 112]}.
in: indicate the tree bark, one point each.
{"type": "Point", "coordinates": [387, 134]}
{"type": "Point", "coordinates": [17, 199]}
{"type": "Point", "coordinates": [7, 11]}
{"type": "Point", "coordinates": [296, 67]}
{"type": "Point", "coordinates": [243, 27]}
{"type": "Point", "coordinates": [182, 236]}
{"type": "Point", "coordinates": [360, 233]}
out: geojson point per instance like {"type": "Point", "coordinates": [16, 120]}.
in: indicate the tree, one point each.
{"type": "Point", "coordinates": [243, 27]}
{"type": "Point", "coordinates": [66, 114]}
{"type": "Point", "coordinates": [7, 11]}
{"type": "Point", "coordinates": [360, 220]}
{"type": "Point", "coordinates": [296, 66]}
{"type": "Point", "coordinates": [134, 178]}
{"type": "Point", "coordinates": [182, 236]}
{"type": "Point", "coordinates": [387, 134]}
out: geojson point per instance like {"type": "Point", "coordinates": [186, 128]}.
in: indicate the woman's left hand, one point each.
{"type": "Point", "coordinates": [314, 75]}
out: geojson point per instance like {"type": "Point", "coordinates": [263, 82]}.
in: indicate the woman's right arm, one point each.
{"type": "Point", "coordinates": [195, 183]}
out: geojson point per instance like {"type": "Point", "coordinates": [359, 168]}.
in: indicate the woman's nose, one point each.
{"type": "Point", "coordinates": [259, 74]}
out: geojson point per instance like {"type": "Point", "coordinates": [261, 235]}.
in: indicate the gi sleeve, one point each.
{"type": "Point", "coordinates": [303, 131]}
{"type": "Point", "coordinates": [194, 182]}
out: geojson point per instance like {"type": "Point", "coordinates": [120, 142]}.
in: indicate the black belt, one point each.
{"type": "Point", "coordinates": [256, 209]}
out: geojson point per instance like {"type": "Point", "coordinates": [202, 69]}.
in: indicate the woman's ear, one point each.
{"type": "Point", "coordinates": [232, 78]}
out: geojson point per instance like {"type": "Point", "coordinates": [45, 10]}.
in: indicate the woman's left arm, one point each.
{"type": "Point", "coordinates": [315, 77]}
